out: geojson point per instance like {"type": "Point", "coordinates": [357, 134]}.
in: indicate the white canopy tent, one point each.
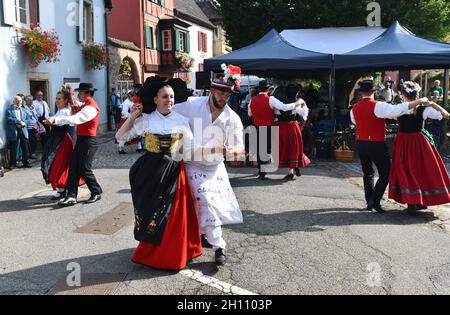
{"type": "Point", "coordinates": [332, 40]}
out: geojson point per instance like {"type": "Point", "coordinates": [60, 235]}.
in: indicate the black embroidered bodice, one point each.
{"type": "Point", "coordinates": [412, 123]}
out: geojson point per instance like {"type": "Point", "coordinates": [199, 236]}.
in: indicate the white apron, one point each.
{"type": "Point", "coordinates": [214, 199]}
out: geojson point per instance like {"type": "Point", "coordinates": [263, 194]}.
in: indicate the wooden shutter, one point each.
{"type": "Point", "coordinates": [199, 41]}
{"type": "Point", "coordinates": [34, 11]}
{"type": "Point", "coordinates": [177, 40]}
{"type": "Point", "coordinates": [81, 21]}
{"type": "Point", "coordinates": [159, 44]}
{"type": "Point", "coordinates": [205, 43]}
{"type": "Point", "coordinates": [148, 37]}
{"type": "Point", "coordinates": [187, 43]}
{"type": "Point", "coordinates": [9, 12]}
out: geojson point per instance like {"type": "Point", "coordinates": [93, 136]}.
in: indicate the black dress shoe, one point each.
{"type": "Point", "coordinates": [68, 202]}
{"type": "Point", "coordinates": [262, 176]}
{"type": "Point", "coordinates": [412, 210]}
{"type": "Point", "coordinates": [297, 172]}
{"type": "Point", "coordinates": [27, 165]}
{"type": "Point", "coordinates": [205, 243]}
{"type": "Point", "coordinates": [420, 207]}
{"type": "Point", "coordinates": [289, 177]}
{"type": "Point", "coordinates": [122, 152]}
{"type": "Point", "coordinates": [94, 198]}
{"type": "Point", "coordinates": [220, 257]}
{"type": "Point", "coordinates": [379, 209]}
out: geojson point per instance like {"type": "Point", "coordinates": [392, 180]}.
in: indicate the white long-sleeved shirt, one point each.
{"type": "Point", "coordinates": [126, 108]}
{"type": "Point", "coordinates": [226, 130]}
{"type": "Point", "coordinates": [275, 104]}
{"type": "Point", "coordinates": [86, 114]}
{"type": "Point", "coordinates": [388, 111]}
{"type": "Point", "coordinates": [41, 108]}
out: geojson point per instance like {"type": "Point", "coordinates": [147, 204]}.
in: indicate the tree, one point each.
{"type": "Point", "coordinates": [247, 21]}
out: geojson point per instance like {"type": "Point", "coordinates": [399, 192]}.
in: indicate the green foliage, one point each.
{"type": "Point", "coordinates": [247, 21]}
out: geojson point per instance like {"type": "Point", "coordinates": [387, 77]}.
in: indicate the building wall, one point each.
{"type": "Point", "coordinates": [199, 56]}
{"type": "Point", "coordinates": [125, 21]}
{"type": "Point", "coordinates": [16, 71]}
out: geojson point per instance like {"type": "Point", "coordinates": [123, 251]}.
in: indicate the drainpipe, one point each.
{"type": "Point", "coordinates": [108, 85]}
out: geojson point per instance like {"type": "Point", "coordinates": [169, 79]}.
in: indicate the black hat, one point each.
{"type": "Point", "coordinates": [367, 86]}
{"type": "Point", "coordinates": [151, 87]}
{"type": "Point", "coordinates": [263, 85]}
{"type": "Point", "coordinates": [86, 87]}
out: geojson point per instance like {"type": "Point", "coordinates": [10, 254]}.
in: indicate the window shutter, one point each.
{"type": "Point", "coordinates": [81, 21]}
{"type": "Point", "coordinates": [205, 47]}
{"type": "Point", "coordinates": [34, 11]}
{"type": "Point", "coordinates": [9, 12]}
{"type": "Point", "coordinates": [177, 40]}
{"type": "Point", "coordinates": [161, 2]}
{"type": "Point", "coordinates": [148, 37]}
{"type": "Point", "coordinates": [159, 40]}
{"type": "Point", "coordinates": [187, 43]}
{"type": "Point", "coordinates": [199, 40]}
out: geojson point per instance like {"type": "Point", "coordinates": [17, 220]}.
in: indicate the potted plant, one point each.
{"type": "Point", "coordinates": [40, 46]}
{"type": "Point", "coordinates": [183, 60]}
{"type": "Point", "coordinates": [95, 56]}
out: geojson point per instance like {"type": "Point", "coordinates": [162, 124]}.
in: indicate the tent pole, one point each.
{"type": "Point", "coordinates": [331, 104]}
{"type": "Point", "coordinates": [425, 90]}
{"type": "Point", "coordinates": [446, 81]}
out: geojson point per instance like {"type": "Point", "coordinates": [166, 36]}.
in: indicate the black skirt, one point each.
{"type": "Point", "coordinates": [154, 180]}
{"type": "Point", "coordinates": [51, 149]}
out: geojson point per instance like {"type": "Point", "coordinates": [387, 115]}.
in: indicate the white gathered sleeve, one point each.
{"type": "Point", "coordinates": [431, 113]}
{"type": "Point", "coordinates": [388, 111]}
{"type": "Point", "coordinates": [136, 130]}
{"type": "Point", "coordinates": [352, 117]}
{"type": "Point", "coordinates": [235, 136]}
{"type": "Point", "coordinates": [277, 104]}
{"type": "Point", "coordinates": [88, 113]}
{"type": "Point", "coordinates": [302, 112]}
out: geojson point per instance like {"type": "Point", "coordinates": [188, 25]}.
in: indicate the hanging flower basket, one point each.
{"type": "Point", "coordinates": [95, 56]}
{"type": "Point", "coordinates": [184, 61]}
{"type": "Point", "coordinates": [40, 46]}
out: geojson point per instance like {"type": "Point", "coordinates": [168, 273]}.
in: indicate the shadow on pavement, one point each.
{"type": "Point", "coordinates": [318, 220]}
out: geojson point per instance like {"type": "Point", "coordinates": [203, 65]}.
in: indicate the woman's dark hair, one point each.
{"type": "Point", "coordinates": [153, 85]}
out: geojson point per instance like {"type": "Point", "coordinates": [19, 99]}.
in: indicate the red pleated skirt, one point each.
{"type": "Point", "coordinates": [291, 146]}
{"type": "Point", "coordinates": [59, 171]}
{"type": "Point", "coordinates": [181, 240]}
{"type": "Point", "coordinates": [131, 142]}
{"type": "Point", "coordinates": [418, 174]}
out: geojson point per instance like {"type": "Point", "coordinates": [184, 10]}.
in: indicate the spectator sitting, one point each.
{"type": "Point", "coordinates": [437, 87]}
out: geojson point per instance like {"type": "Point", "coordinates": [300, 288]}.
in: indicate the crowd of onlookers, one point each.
{"type": "Point", "coordinates": [25, 130]}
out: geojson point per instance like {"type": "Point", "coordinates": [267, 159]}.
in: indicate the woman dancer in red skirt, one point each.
{"type": "Point", "coordinates": [418, 175]}
{"type": "Point", "coordinates": [291, 141]}
{"type": "Point", "coordinates": [59, 147]}
{"type": "Point", "coordinates": [166, 221]}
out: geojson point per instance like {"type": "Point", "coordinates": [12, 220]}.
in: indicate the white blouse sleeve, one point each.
{"type": "Point", "coordinates": [276, 104]}
{"type": "Point", "coordinates": [303, 112]}
{"type": "Point", "coordinates": [431, 113]}
{"type": "Point", "coordinates": [388, 111]}
{"type": "Point", "coordinates": [352, 117]}
{"type": "Point", "coordinates": [137, 130]}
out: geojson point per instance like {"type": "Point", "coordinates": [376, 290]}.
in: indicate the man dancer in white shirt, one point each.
{"type": "Point", "coordinates": [218, 131]}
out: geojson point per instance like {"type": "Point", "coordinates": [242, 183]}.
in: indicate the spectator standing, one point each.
{"type": "Point", "coordinates": [43, 112]}
{"type": "Point", "coordinates": [31, 125]}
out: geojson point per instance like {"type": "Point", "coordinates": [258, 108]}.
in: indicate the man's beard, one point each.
{"type": "Point", "coordinates": [216, 104]}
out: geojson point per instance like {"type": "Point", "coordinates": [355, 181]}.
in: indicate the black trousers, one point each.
{"type": "Point", "coordinates": [81, 166]}
{"type": "Point", "coordinates": [24, 145]}
{"type": "Point", "coordinates": [32, 136]}
{"type": "Point", "coordinates": [264, 146]}
{"type": "Point", "coordinates": [117, 115]}
{"type": "Point", "coordinates": [374, 153]}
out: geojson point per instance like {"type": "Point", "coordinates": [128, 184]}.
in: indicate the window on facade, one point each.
{"type": "Point", "coordinates": [182, 41]}
{"type": "Point", "coordinates": [167, 40]}
{"type": "Point", "coordinates": [158, 2]}
{"type": "Point", "coordinates": [88, 21]}
{"type": "Point", "coordinates": [202, 42]}
{"type": "Point", "coordinates": [20, 12]}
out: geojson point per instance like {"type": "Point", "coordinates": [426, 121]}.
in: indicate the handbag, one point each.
{"type": "Point", "coordinates": [40, 128]}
